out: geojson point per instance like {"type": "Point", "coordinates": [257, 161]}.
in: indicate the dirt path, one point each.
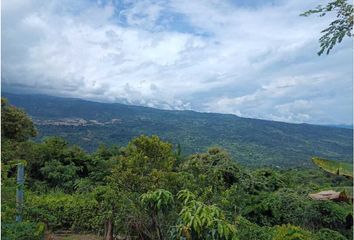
{"type": "Point", "coordinates": [52, 236]}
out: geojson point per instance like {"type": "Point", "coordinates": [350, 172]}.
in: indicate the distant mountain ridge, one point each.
{"type": "Point", "coordinates": [252, 142]}
{"type": "Point", "coordinates": [348, 126]}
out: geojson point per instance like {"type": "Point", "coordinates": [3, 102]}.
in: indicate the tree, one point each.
{"type": "Point", "coordinates": [15, 123]}
{"type": "Point", "coordinates": [156, 202]}
{"type": "Point", "coordinates": [57, 164]}
{"type": "Point", "coordinates": [16, 129]}
{"type": "Point", "coordinates": [144, 165]}
{"type": "Point", "coordinates": [108, 204]}
{"type": "Point", "coordinates": [213, 171]}
{"type": "Point", "coordinates": [200, 221]}
{"type": "Point", "coordinates": [342, 26]}
{"type": "Point", "coordinates": [282, 206]}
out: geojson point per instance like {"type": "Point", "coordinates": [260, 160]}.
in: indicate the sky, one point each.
{"type": "Point", "coordinates": [252, 58]}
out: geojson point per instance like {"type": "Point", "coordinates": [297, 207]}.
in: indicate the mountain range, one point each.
{"type": "Point", "coordinates": [252, 142]}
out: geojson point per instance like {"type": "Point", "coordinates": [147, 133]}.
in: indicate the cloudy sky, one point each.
{"type": "Point", "coordinates": [252, 58]}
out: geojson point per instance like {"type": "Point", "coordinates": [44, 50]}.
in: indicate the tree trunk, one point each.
{"type": "Point", "coordinates": [157, 227]}
{"type": "Point", "coordinates": [109, 233]}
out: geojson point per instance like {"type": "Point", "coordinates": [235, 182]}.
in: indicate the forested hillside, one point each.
{"type": "Point", "coordinates": [147, 190]}
{"type": "Point", "coordinates": [250, 141]}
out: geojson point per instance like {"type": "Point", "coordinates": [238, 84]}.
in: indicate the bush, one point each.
{"type": "Point", "coordinates": [328, 214]}
{"type": "Point", "coordinates": [291, 232]}
{"type": "Point", "coordinates": [251, 231]}
{"type": "Point", "coordinates": [22, 231]}
{"type": "Point", "coordinates": [326, 233]}
{"type": "Point", "coordinates": [62, 211]}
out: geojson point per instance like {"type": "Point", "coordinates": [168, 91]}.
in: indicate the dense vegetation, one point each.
{"type": "Point", "coordinates": [148, 190]}
{"type": "Point", "coordinates": [251, 142]}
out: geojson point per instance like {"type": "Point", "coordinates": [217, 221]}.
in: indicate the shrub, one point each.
{"type": "Point", "coordinates": [251, 231]}
{"type": "Point", "coordinates": [22, 231]}
{"type": "Point", "coordinates": [62, 211]}
{"type": "Point", "coordinates": [326, 233]}
{"type": "Point", "coordinates": [291, 232]}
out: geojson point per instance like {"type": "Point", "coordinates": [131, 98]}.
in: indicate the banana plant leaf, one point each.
{"type": "Point", "coordinates": [334, 167]}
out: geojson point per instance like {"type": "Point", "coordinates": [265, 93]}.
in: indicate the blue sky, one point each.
{"type": "Point", "coordinates": [251, 58]}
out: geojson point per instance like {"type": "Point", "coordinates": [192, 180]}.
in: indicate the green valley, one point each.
{"type": "Point", "coordinates": [252, 142]}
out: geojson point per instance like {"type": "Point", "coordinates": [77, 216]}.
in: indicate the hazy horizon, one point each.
{"type": "Point", "coordinates": [340, 125]}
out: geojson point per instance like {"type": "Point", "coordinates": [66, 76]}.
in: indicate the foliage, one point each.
{"type": "Point", "coordinates": [128, 192]}
{"type": "Point", "coordinates": [22, 231]}
{"type": "Point", "coordinates": [334, 167]}
{"type": "Point", "coordinates": [144, 165]}
{"type": "Point", "coordinates": [339, 28]}
{"type": "Point", "coordinates": [201, 221]}
{"type": "Point", "coordinates": [15, 124]}
{"type": "Point", "coordinates": [101, 164]}
{"type": "Point", "coordinates": [332, 215]}
{"type": "Point", "coordinates": [283, 206]}
{"type": "Point", "coordinates": [268, 180]}
{"type": "Point", "coordinates": [326, 233]}
{"type": "Point", "coordinates": [63, 211]}
{"type": "Point", "coordinates": [214, 172]}
{"type": "Point", "coordinates": [158, 200]}
{"type": "Point", "coordinates": [251, 231]}
{"type": "Point", "coordinates": [290, 232]}
{"type": "Point", "coordinates": [58, 164]}
{"type": "Point", "coordinates": [8, 191]}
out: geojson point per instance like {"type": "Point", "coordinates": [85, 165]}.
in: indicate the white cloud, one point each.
{"type": "Point", "coordinates": [204, 55]}
{"type": "Point", "coordinates": [317, 99]}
